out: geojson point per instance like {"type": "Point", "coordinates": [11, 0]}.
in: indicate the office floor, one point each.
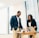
{"type": "Point", "coordinates": [11, 36]}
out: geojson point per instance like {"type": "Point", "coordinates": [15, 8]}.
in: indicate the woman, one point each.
{"type": "Point", "coordinates": [31, 23]}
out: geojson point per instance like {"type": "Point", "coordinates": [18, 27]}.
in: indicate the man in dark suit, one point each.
{"type": "Point", "coordinates": [16, 23]}
{"type": "Point", "coordinates": [31, 22]}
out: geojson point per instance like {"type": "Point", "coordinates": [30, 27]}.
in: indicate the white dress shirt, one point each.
{"type": "Point", "coordinates": [18, 20]}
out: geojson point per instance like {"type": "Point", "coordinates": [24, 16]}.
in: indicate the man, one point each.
{"type": "Point", "coordinates": [15, 24]}
{"type": "Point", "coordinates": [31, 23]}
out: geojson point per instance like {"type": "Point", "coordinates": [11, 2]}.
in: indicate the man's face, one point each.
{"type": "Point", "coordinates": [29, 17]}
{"type": "Point", "coordinates": [18, 14]}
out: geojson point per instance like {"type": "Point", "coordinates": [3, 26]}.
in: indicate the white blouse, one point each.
{"type": "Point", "coordinates": [29, 24]}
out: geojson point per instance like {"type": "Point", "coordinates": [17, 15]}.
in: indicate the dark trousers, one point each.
{"type": "Point", "coordinates": [30, 36]}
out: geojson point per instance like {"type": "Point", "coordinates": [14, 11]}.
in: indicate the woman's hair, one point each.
{"type": "Point", "coordinates": [31, 16]}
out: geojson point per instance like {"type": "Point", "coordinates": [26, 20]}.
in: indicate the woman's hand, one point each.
{"type": "Point", "coordinates": [34, 27]}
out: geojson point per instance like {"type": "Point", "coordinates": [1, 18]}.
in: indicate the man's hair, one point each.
{"type": "Point", "coordinates": [18, 11]}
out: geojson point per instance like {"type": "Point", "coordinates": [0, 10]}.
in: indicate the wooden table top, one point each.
{"type": "Point", "coordinates": [27, 33]}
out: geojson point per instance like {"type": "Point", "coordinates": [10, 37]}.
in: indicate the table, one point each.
{"type": "Point", "coordinates": [27, 33]}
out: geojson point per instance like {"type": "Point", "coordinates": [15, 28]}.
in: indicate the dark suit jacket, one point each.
{"type": "Point", "coordinates": [33, 23]}
{"type": "Point", "coordinates": [14, 23]}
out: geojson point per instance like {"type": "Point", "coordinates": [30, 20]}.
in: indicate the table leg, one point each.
{"type": "Point", "coordinates": [34, 36]}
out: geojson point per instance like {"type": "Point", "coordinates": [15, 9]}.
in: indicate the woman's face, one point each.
{"type": "Point", "coordinates": [29, 17]}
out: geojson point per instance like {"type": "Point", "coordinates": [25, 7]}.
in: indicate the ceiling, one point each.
{"type": "Point", "coordinates": [11, 2]}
